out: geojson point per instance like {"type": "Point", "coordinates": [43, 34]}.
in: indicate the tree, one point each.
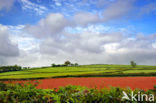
{"type": "Point", "coordinates": [72, 64]}
{"type": "Point", "coordinates": [67, 63]}
{"type": "Point", "coordinates": [76, 64]}
{"type": "Point", "coordinates": [10, 68]}
{"type": "Point", "coordinates": [53, 65]}
{"type": "Point", "coordinates": [133, 64]}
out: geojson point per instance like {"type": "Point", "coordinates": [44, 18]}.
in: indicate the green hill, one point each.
{"type": "Point", "coordinates": [81, 71]}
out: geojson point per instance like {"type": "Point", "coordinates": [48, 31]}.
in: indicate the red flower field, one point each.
{"type": "Point", "coordinates": [99, 82]}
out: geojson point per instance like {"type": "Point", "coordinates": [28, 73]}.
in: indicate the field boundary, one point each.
{"type": "Point", "coordinates": [88, 75]}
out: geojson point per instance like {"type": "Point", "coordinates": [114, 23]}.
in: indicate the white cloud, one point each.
{"type": "Point", "coordinates": [27, 5]}
{"type": "Point", "coordinates": [26, 53]}
{"type": "Point", "coordinates": [80, 39]}
{"type": "Point", "coordinates": [51, 26]}
{"type": "Point", "coordinates": [85, 41]}
{"type": "Point", "coordinates": [86, 48]}
{"type": "Point", "coordinates": [6, 4]}
{"type": "Point", "coordinates": [87, 45]}
{"type": "Point", "coordinates": [7, 48]}
{"type": "Point", "coordinates": [27, 58]}
{"type": "Point", "coordinates": [92, 47]}
{"type": "Point", "coordinates": [78, 35]}
{"type": "Point", "coordinates": [25, 41]}
{"type": "Point", "coordinates": [85, 18]}
{"type": "Point", "coordinates": [154, 45]}
{"type": "Point", "coordinates": [55, 23]}
{"type": "Point", "coordinates": [90, 28]}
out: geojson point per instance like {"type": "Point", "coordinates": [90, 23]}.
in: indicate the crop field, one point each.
{"type": "Point", "coordinates": [28, 93]}
{"type": "Point", "coordinates": [93, 84]}
{"type": "Point", "coordinates": [144, 83]}
{"type": "Point", "coordinates": [81, 71]}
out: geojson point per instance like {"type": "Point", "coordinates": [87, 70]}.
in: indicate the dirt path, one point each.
{"type": "Point", "coordinates": [132, 82]}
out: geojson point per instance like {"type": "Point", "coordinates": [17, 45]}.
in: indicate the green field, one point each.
{"type": "Point", "coordinates": [81, 71]}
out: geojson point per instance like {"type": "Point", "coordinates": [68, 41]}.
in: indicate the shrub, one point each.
{"type": "Point", "coordinates": [27, 93]}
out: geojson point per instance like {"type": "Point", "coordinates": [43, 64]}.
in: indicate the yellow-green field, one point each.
{"type": "Point", "coordinates": [81, 71]}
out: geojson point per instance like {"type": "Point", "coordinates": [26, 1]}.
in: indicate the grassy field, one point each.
{"type": "Point", "coordinates": [81, 71]}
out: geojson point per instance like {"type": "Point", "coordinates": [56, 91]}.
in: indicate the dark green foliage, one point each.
{"type": "Point", "coordinates": [53, 65]}
{"type": "Point", "coordinates": [67, 63]}
{"type": "Point", "coordinates": [27, 93]}
{"type": "Point", "coordinates": [133, 64]}
{"type": "Point", "coordinates": [57, 65]}
{"type": "Point", "coordinates": [10, 68]}
{"type": "Point", "coordinates": [26, 68]}
{"type": "Point", "coordinates": [76, 64]}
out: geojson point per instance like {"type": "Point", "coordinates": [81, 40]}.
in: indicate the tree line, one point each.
{"type": "Point", "coordinates": [10, 68]}
{"type": "Point", "coordinates": [66, 63]}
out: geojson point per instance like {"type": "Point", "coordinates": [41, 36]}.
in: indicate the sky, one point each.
{"type": "Point", "coordinates": [41, 32]}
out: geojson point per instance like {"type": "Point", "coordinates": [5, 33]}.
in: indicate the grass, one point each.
{"type": "Point", "coordinates": [83, 70]}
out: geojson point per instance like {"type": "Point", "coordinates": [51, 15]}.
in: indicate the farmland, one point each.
{"type": "Point", "coordinates": [28, 93]}
{"type": "Point", "coordinates": [144, 83]}
{"type": "Point", "coordinates": [93, 84]}
{"type": "Point", "coordinates": [81, 71]}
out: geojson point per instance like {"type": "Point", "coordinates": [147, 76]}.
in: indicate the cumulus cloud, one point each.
{"type": "Point", "coordinates": [27, 58]}
{"type": "Point", "coordinates": [77, 36]}
{"type": "Point", "coordinates": [92, 47]}
{"type": "Point", "coordinates": [55, 23]}
{"type": "Point", "coordinates": [85, 41]}
{"type": "Point", "coordinates": [6, 4]}
{"type": "Point", "coordinates": [89, 46]}
{"type": "Point", "coordinates": [51, 26]}
{"type": "Point", "coordinates": [94, 42]}
{"type": "Point", "coordinates": [7, 48]}
{"type": "Point", "coordinates": [85, 18]}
